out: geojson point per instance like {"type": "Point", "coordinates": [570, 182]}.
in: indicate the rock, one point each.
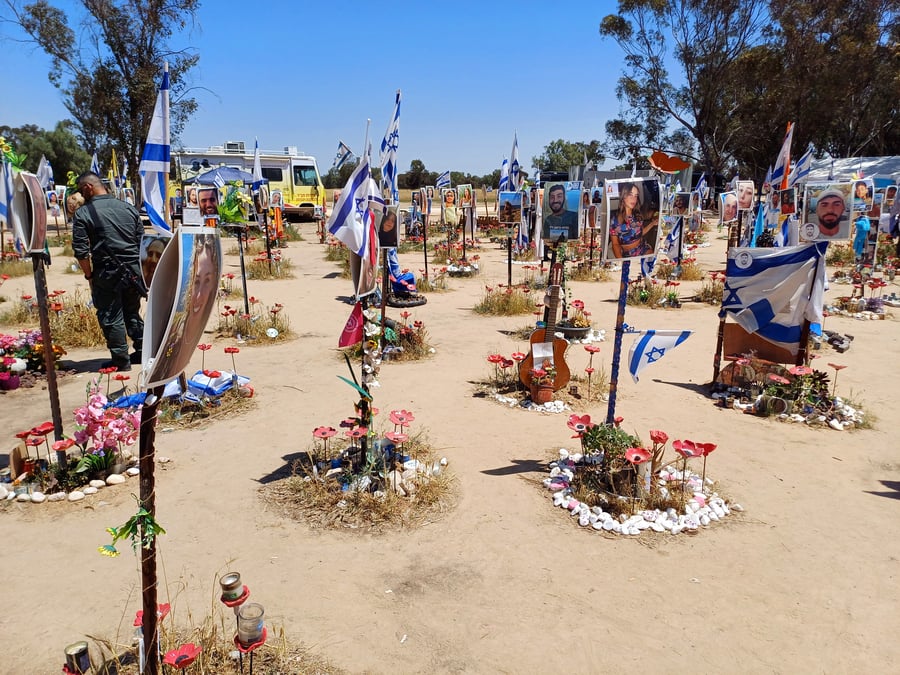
{"type": "Point", "coordinates": [90, 490]}
{"type": "Point", "coordinates": [10, 496]}
{"type": "Point", "coordinates": [38, 497]}
{"type": "Point", "coordinates": [608, 525]}
{"type": "Point", "coordinates": [133, 471]}
{"type": "Point", "coordinates": [834, 424]}
{"type": "Point", "coordinates": [584, 519]}
{"type": "Point", "coordinates": [76, 496]}
{"type": "Point", "coordinates": [24, 497]}
{"type": "Point", "coordinates": [57, 497]}
{"type": "Point", "coordinates": [115, 479]}
{"type": "Point", "coordinates": [3, 492]}
{"type": "Point", "coordinates": [657, 527]}
{"type": "Point", "coordinates": [97, 484]}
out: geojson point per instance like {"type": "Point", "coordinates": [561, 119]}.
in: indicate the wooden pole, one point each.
{"type": "Point", "coordinates": [148, 553]}
{"type": "Point", "coordinates": [617, 344]}
{"type": "Point", "coordinates": [717, 357]}
{"type": "Point", "coordinates": [40, 290]}
{"type": "Point", "coordinates": [240, 235]}
{"type": "Point", "coordinates": [509, 256]}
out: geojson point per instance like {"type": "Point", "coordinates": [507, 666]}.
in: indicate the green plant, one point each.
{"type": "Point", "coordinates": [506, 301]}
{"type": "Point", "coordinates": [97, 461]}
{"type": "Point", "coordinates": [142, 528]}
{"type": "Point", "coordinates": [609, 440]}
{"type": "Point", "coordinates": [233, 209]}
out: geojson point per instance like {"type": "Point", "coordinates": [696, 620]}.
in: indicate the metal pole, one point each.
{"type": "Point", "coordinates": [240, 235]}
{"type": "Point", "coordinates": [617, 345]}
{"type": "Point", "coordinates": [509, 256]}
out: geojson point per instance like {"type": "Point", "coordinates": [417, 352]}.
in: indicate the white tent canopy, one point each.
{"type": "Point", "coordinates": [885, 170]}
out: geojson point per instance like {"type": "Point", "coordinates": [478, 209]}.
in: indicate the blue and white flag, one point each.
{"type": "Point", "coordinates": [771, 291]}
{"type": "Point", "coordinates": [802, 168]}
{"type": "Point", "coordinates": [344, 153]}
{"type": "Point", "coordinates": [647, 265]}
{"type": "Point", "coordinates": [443, 180]}
{"type": "Point", "coordinates": [514, 164]}
{"type": "Point", "coordinates": [352, 215]}
{"type": "Point", "coordinates": [783, 161]}
{"type": "Point", "coordinates": [672, 243]}
{"type": "Point", "coordinates": [45, 174]}
{"type": "Point", "coordinates": [651, 345]}
{"type": "Point", "coordinates": [6, 193]}
{"type": "Point", "coordinates": [782, 234]}
{"type": "Point", "coordinates": [154, 167]}
{"type": "Point", "coordinates": [504, 176]}
{"type": "Point", "coordinates": [701, 185]}
{"type": "Point", "coordinates": [257, 169]}
{"type": "Point", "coordinates": [95, 164]}
{"type": "Point", "coordinates": [389, 152]}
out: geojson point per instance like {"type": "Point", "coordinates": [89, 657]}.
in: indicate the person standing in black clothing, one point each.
{"type": "Point", "coordinates": [106, 239]}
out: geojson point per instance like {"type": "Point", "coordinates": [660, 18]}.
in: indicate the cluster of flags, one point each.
{"type": "Point", "coordinates": [154, 167]}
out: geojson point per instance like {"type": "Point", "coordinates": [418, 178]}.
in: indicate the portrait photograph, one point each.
{"type": "Point", "coordinates": [827, 214]}
{"type": "Point", "coordinates": [429, 192]}
{"type": "Point", "coordinates": [890, 196]}
{"type": "Point", "coordinates": [465, 196]}
{"type": "Point", "coordinates": [632, 219]}
{"type": "Point", "coordinates": [510, 207]}
{"type": "Point", "coordinates": [128, 195]}
{"type": "Point", "coordinates": [728, 207]}
{"type": "Point", "coordinates": [152, 248]}
{"type": "Point", "coordinates": [388, 232]}
{"type": "Point", "coordinates": [681, 204]}
{"type": "Point", "coordinates": [863, 191]}
{"type": "Point", "coordinates": [787, 200]}
{"type": "Point", "coordinates": [560, 212]}
{"type": "Point", "coordinates": [449, 211]}
{"type": "Point", "coordinates": [276, 200]}
{"type": "Point", "coordinates": [744, 190]}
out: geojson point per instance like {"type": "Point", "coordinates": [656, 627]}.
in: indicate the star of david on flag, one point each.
{"type": "Point", "coordinates": [651, 345]}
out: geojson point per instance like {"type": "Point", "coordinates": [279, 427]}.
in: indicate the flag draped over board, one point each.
{"type": "Point", "coordinates": [154, 167]}
{"type": "Point", "coordinates": [771, 291]}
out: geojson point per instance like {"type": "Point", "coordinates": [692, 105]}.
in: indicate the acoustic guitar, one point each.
{"type": "Point", "coordinates": [544, 338]}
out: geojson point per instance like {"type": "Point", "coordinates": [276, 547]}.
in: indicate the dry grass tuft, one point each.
{"type": "Point", "coordinates": [711, 292]}
{"type": "Point", "coordinates": [322, 503]}
{"type": "Point", "coordinates": [506, 301]}
{"type": "Point", "coordinates": [16, 268]}
{"type": "Point", "coordinates": [189, 415]}
{"type": "Point", "coordinates": [584, 273]}
{"type": "Point", "coordinates": [234, 323]}
{"type": "Point", "coordinates": [259, 268]}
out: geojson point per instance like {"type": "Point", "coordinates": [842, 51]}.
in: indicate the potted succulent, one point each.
{"type": "Point", "coordinates": [575, 323]}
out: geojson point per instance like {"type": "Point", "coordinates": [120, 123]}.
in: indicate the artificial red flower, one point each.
{"type": "Point", "coordinates": [43, 429]}
{"type": "Point", "coordinates": [706, 448]}
{"type": "Point", "coordinates": [801, 370]}
{"type": "Point", "coordinates": [108, 370]}
{"type": "Point", "coordinates": [349, 422]}
{"type": "Point", "coordinates": [637, 455]}
{"type": "Point", "coordinates": [402, 417]}
{"type": "Point", "coordinates": [232, 350]}
{"type": "Point", "coordinates": [34, 442]}
{"type": "Point", "coordinates": [324, 432]}
{"type": "Point", "coordinates": [589, 371]}
{"type": "Point", "coordinates": [359, 432]}
{"type": "Point", "coordinates": [578, 304]}
{"type": "Point", "coordinates": [495, 358]}
{"type": "Point", "coordinates": [686, 449]}
{"type": "Point", "coordinates": [204, 348]}
{"type": "Point", "coordinates": [63, 444]}
{"type": "Point", "coordinates": [658, 436]}
{"type": "Point", "coordinates": [836, 366]}
{"type": "Point", "coordinates": [396, 437]}
{"type": "Point", "coordinates": [778, 379]}
{"type": "Point", "coordinates": [404, 314]}
{"type": "Point", "coordinates": [593, 349]}
{"type": "Point", "coordinates": [518, 356]}
{"type": "Point", "coordinates": [506, 363]}
{"type": "Point", "coordinates": [121, 378]}
{"type": "Point", "coordinates": [580, 423]}
{"type": "Point", "coordinates": [23, 434]}
{"type": "Point", "coordinates": [182, 657]}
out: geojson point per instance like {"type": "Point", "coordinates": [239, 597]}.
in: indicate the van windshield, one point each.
{"type": "Point", "coordinates": [306, 176]}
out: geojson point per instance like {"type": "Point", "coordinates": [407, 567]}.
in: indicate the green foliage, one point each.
{"type": "Point", "coordinates": [59, 146]}
{"type": "Point", "coordinates": [97, 461]}
{"type": "Point", "coordinates": [141, 529]}
{"type": "Point", "coordinates": [559, 155]}
{"type": "Point", "coordinates": [611, 440]}
{"type": "Point", "coordinates": [506, 302]}
{"type": "Point", "coordinates": [107, 68]}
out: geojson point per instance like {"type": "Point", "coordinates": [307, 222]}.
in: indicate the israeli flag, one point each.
{"type": "Point", "coordinates": [95, 164]}
{"type": "Point", "coordinates": [771, 291]}
{"type": "Point", "coordinates": [802, 168]}
{"type": "Point", "coordinates": [651, 345]}
{"type": "Point", "coordinates": [647, 265]}
{"type": "Point", "coordinates": [389, 152]}
{"type": "Point", "coordinates": [6, 193]}
{"type": "Point", "coordinates": [344, 153]}
{"type": "Point", "coordinates": [671, 245]}
{"type": "Point", "coordinates": [783, 161]}
{"type": "Point", "coordinates": [443, 180]}
{"type": "Point", "coordinates": [504, 176]}
{"type": "Point", "coordinates": [257, 170]}
{"type": "Point", "coordinates": [155, 161]}
{"type": "Point", "coordinates": [701, 185]}
{"type": "Point", "coordinates": [353, 213]}
{"type": "Point", "coordinates": [782, 236]}
{"type": "Point", "coordinates": [45, 174]}
{"type": "Point", "coordinates": [514, 163]}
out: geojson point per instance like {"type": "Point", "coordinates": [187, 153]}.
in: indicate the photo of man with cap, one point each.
{"type": "Point", "coordinates": [831, 206]}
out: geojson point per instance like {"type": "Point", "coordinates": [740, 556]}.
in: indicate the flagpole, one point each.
{"type": "Point", "coordinates": [617, 344]}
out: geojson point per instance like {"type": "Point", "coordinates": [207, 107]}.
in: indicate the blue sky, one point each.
{"type": "Point", "coordinates": [308, 74]}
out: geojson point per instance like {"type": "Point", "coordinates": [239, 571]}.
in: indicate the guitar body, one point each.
{"type": "Point", "coordinates": [538, 337]}
{"type": "Point", "coordinates": [563, 375]}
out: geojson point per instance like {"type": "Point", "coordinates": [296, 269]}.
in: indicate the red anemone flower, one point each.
{"type": "Point", "coordinates": [404, 314]}
{"type": "Point", "coordinates": [349, 422]}
{"type": "Point", "coordinates": [23, 435]}
{"type": "Point", "coordinates": [43, 429]}
{"type": "Point", "coordinates": [232, 350]}
{"type": "Point", "coordinates": [108, 370]}
{"type": "Point", "coordinates": [401, 417]}
{"type": "Point", "coordinates": [593, 349]}
{"type": "Point", "coordinates": [63, 444]}
{"type": "Point", "coordinates": [358, 432]}
{"type": "Point", "coordinates": [506, 363]}
{"type": "Point", "coordinates": [778, 379]}
{"type": "Point", "coordinates": [204, 348]}
{"type": "Point", "coordinates": [396, 437]}
{"type": "Point", "coordinates": [801, 370]}
{"type": "Point", "coordinates": [324, 432]}
{"type": "Point", "coordinates": [518, 356]}
{"type": "Point", "coordinates": [212, 374]}
{"type": "Point", "coordinates": [706, 448]}
{"type": "Point", "coordinates": [495, 358]}
{"type": "Point", "coordinates": [837, 366]}
{"type": "Point", "coordinates": [658, 436]}
{"type": "Point", "coordinates": [589, 371]}
{"type": "Point", "coordinates": [34, 442]}
{"type": "Point", "coordinates": [578, 304]}
{"type": "Point", "coordinates": [182, 657]}
{"type": "Point", "coordinates": [121, 378]}
{"type": "Point", "coordinates": [686, 449]}
{"type": "Point", "coordinates": [580, 423]}
{"type": "Point", "coordinates": [637, 455]}
{"type": "Point", "coordinates": [618, 420]}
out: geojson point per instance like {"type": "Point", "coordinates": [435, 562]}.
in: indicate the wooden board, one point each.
{"type": "Point", "coordinates": [738, 341]}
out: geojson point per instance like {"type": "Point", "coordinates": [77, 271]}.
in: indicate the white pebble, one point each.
{"type": "Point", "coordinates": [76, 495]}
{"type": "Point", "coordinates": [133, 471]}
{"type": "Point", "coordinates": [56, 497]}
{"type": "Point", "coordinates": [97, 483]}
{"type": "Point", "coordinates": [38, 497]}
{"type": "Point", "coordinates": [24, 497]}
{"type": "Point", "coordinates": [115, 479]}
{"type": "Point", "coordinates": [90, 490]}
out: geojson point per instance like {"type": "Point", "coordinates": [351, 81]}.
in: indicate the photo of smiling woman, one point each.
{"type": "Point", "coordinates": [633, 218]}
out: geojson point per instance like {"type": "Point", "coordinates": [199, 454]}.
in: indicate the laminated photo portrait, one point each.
{"type": "Point", "coordinates": [560, 212]}
{"type": "Point", "coordinates": [744, 190]}
{"type": "Point", "coordinates": [728, 207]}
{"type": "Point", "coordinates": [152, 248]}
{"type": "Point", "coordinates": [827, 214]}
{"type": "Point", "coordinates": [863, 194]}
{"type": "Point", "coordinates": [388, 232]}
{"type": "Point", "coordinates": [465, 196]}
{"type": "Point", "coordinates": [510, 207]}
{"type": "Point", "coordinates": [632, 219]}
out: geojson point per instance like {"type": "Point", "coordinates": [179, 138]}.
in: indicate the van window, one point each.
{"type": "Point", "coordinates": [273, 175]}
{"type": "Point", "coordinates": [306, 176]}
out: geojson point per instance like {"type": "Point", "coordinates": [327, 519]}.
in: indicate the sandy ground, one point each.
{"type": "Point", "coordinates": [804, 581]}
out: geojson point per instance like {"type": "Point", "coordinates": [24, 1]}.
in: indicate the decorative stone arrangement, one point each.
{"type": "Point", "coordinates": [21, 494]}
